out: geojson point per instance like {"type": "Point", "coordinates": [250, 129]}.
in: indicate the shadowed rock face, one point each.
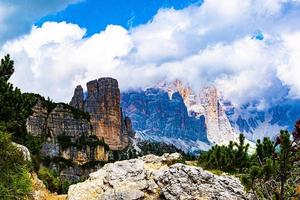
{"type": "Point", "coordinates": [155, 113]}
{"type": "Point", "coordinates": [103, 104]}
{"type": "Point", "coordinates": [77, 100]}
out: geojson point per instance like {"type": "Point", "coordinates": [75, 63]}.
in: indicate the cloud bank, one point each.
{"type": "Point", "coordinates": [249, 49]}
{"type": "Point", "coordinates": [17, 17]}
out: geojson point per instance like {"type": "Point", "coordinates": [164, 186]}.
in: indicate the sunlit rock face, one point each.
{"type": "Point", "coordinates": [103, 104]}
{"type": "Point", "coordinates": [85, 154]}
{"type": "Point", "coordinates": [219, 129]}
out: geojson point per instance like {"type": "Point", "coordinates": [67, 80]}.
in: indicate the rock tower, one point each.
{"type": "Point", "coordinates": [102, 102]}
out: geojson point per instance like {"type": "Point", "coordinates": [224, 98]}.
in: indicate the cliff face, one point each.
{"type": "Point", "coordinates": [36, 124]}
{"type": "Point", "coordinates": [64, 129]}
{"type": "Point", "coordinates": [103, 105]}
{"type": "Point", "coordinates": [58, 121]}
{"type": "Point", "coordinates": [206, 102]}
{"type": "Point", "coordinates": [85, 154]}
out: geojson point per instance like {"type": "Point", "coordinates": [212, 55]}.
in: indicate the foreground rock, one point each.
{"type": "Point", "coordinates": [153, 177]}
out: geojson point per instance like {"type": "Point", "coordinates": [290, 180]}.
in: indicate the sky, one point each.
{"type": "Point", "coordinates": [250, 49]}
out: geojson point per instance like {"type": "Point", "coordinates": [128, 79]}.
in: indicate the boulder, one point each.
{"type": "Point", "coordinates": [154, 177]}
{"type": "Point", "coordinates": [25, 151]}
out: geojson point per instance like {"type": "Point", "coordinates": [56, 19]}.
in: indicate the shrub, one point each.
{"type": "Point", "coordinates": [50, 179]}
{"type": "Point", "coordinates": [231, 158]}
{"type": "Point", "coordinates": [14, 173]}
{"type": "Point", "coordinates": [275, 174]}
{"type": "Point", "coordinates": [64, 141]}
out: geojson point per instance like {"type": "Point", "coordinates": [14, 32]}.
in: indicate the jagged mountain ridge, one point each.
{"type": "Point", "coordinates": [220, 120]}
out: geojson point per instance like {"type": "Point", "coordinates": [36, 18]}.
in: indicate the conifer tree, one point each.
{"type": "Point", "coordinates": [275, 174]}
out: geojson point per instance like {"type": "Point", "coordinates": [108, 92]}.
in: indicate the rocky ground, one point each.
{"type": "Point", "coordinates": [154, 177]}
{"type": "Point", "coordinates": [40, 191]}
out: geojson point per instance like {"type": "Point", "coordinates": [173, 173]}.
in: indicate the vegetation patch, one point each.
{"type": "Point", "coordinates": [53, 182]}
{"type": "Point", "coordinates": [78, 114]}
{"type": "Point", "coordinates": [14, 180]}
{"type": "Point", "coordinates": [65, 141]}
{"type": "Point", "coordinates": [92, 141]}
{"type": "Point", "coordinates": [272, 172]}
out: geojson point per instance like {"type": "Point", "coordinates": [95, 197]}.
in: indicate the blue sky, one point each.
{"type": "Point", "coordinates": [248, 49]}
{"type": "Point", "coordinates": [95, 15]}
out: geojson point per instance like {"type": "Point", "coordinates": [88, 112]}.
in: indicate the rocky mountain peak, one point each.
{"type": "Point", "coordinates": [78, 98]}
{"type": "Point", "coordinates": [219, 129]}
{"type": "Point", "coordinates": [103, 104]}
{"type": "Point", "coordinates": [185, 91]}
{"type": "Point", "coordinates": [207, 103]}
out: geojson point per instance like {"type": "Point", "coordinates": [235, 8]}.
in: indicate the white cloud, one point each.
{"type": "Point", "coordinates": [289, 70]}
{"type": "Point", "coordinates": [207, 44]}
{"type": "Point", "coordinates": [52, 59]}
{"type": "Point", "coordinates": [17, 17]}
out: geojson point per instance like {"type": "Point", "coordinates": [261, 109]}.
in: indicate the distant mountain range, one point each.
{"type": "Point", "coordinates": [193, 121]}
{"type": "Point", "coordinates": [256, 124]}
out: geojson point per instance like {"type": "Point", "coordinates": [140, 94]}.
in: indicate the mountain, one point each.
{"type": "Point", "coordinates": [258, 123]}
{"type": "Point", "coordinates": [174, 114]}
{"type": "Point", "coordinates": [194, 120]}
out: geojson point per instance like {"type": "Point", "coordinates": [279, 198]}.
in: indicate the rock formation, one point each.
{"type": "Point", "coordinates": [103, 104]}
{"type": "Point", "coordinates": [85, 154]}
{"type": "Point", "coordinates": [206, 102]}
{"type": "Point", "coordinates": [60, 120]}
{"type": "Point", "coordinates": [64, 124]}
{"type": "Point", "coordinates": [36, 123]}
{"type": "Point", "coordinates": [219, 129]}
{"type": "Point", "coordinates": [153, 177]}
